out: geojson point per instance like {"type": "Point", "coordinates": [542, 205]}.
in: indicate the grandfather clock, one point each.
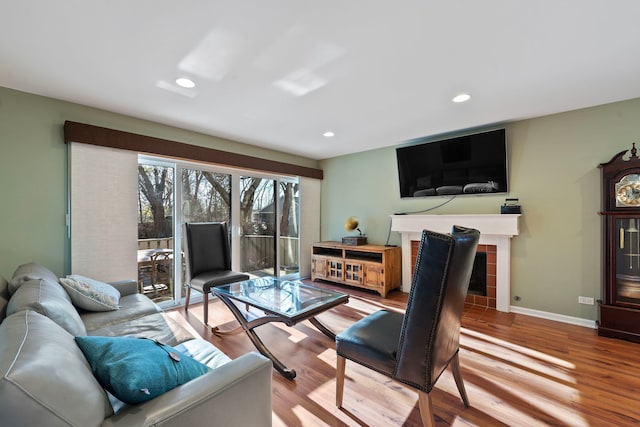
{"type": "Point", "coordinates": [620, 305]}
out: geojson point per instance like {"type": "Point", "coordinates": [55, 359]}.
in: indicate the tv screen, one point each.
{"type": "Point", "coordinates": [470, 164]}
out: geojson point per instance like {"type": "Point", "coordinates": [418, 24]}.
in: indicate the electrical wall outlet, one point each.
{"type": "Point", "coordinates": [586, 300]}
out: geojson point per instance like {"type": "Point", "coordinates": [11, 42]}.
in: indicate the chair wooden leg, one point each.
{"type": "Point", "coordinates": [186, 303]}
{"type": "Point", "coordinates": [455, 368]}
{"type": "Point", "coordinates": [426, 413]}
{"type": "Point", "coordinates": [206, 308]}
{"type": "Point", "coordinates": [340, 365]}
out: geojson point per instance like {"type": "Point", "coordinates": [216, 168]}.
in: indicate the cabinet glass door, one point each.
{"type": "Point", "coordinates": [334, 269]}
{"type": "Point", "coordinates": [628, 261]}
{"type": "Point", "coordinates": [353, 272]}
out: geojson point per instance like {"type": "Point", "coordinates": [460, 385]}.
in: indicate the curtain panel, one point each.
{"type": "Point", "coordinates": [103, 189]}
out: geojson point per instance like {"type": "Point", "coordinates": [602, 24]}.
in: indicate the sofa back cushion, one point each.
{"type": "Point", "coordinates": [45, 376]}
{"type": "Point", "coordinates": [4, 297]}
{"type": "Point", "coordinates": [50, 299]}
{"type": "Point", "coordinates": [30, 271]}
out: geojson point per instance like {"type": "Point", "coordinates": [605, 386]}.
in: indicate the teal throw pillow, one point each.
{"type": "Point", "coordinates": [137, 369]}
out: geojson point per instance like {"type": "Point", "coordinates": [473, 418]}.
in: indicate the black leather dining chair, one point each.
{"type": "Point", "coordinates": [208, 260]}
{"type": "Point", "coordinates": [414, 348]}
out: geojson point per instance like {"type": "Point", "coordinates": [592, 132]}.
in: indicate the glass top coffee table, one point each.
{"type": "Point", "coordinates": [278, 300]}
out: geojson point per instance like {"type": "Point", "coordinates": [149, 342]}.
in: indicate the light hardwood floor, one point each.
{"type": "Point", "coordinates": [518, 371]}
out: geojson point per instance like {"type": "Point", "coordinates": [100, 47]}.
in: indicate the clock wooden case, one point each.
{"type": "Point", "coordinates": [620, 305]}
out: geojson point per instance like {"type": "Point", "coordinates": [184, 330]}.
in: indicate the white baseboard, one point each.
{"type": "Point", "coordinates": [553, 316]}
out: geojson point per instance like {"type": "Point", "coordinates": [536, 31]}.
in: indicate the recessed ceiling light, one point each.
{"type": "Point", "coordinates": [463, 97]}
{"type": "Point", "coordinates": [328, 134]}
{"type": "Point", "coordinates": [185, 82]}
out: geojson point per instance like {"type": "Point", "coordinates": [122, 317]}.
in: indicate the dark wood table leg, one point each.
{"type": "Point", "coordinates": [248, 327]}
{"type": "Point", "coordinates": [280, 367]}
{"type": "Point", "coordinates": [322, 328]}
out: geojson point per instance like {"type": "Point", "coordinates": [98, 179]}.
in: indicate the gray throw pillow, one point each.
{"type": "Point", "coordinates": [90, 294]}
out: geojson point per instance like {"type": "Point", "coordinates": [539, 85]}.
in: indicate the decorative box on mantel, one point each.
{"type": "Point", "coordinates": [494, 230]}
{"type": "Point", "coordinates": [354, 240]}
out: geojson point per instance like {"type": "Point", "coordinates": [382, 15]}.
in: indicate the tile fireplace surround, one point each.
{"type": "Point", "coordinates": [495, 229]}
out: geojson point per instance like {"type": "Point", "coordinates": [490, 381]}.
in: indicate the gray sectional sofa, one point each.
{"type": "Point", "coordinates": [46, 380]}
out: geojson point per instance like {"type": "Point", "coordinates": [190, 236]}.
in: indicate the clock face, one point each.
{"type": "Point", "coordinates": [628, 191]}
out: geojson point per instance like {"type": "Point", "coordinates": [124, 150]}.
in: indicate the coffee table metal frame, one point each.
{"type": "Point", "coordinates": [279, 300]}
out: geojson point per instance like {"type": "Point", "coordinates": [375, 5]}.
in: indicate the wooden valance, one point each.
{"type": "Point", "coordinates": [96, 135]}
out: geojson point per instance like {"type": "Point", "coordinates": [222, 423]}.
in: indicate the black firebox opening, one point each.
{"type": "Point", "coordinates": [478, 282]}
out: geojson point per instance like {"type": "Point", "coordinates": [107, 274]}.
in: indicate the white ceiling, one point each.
{"type": "Point", "coordinates": [280, 73]}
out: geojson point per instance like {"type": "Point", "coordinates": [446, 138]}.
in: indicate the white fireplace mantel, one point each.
{"type": "Point", "coordinates": [495, 229]}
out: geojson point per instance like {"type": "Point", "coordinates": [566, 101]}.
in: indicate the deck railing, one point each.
{"type": "Point", "coordinates": [258, 252]}
{"type": "Point", "coordinates": [257, 258]}
{"type": "Point", "coordinates": [156, 243]}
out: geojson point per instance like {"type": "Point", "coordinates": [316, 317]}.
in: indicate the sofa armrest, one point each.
{"type": "Point", "coordinates": [237, 393]}
{"type": "Point", "coordinates": [126, 287]}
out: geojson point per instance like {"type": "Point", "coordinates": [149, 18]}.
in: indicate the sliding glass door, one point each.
{"type": "Point", "coordinates": [155, 231]}
{"type": "Point", "coordinates": [289, 226]}
{"type": "Point", "coordinates": [257, 226]}
{"type": "Point", "coordinates": [205, 197]}
{"type": "Point", "coordinates": [263, 217]}
{"type": "Point", "coordinates": [269, 219]}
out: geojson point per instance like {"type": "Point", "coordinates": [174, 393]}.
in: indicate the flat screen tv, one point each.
{"type": "Point", "coordinates": [470, 164]}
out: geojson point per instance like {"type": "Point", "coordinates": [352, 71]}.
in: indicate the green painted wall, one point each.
{"type": "Point", "coordinates": [553, 162]}
{"type": "Point", "coordinates": [33, 172]}
{"type": "Point", "coordinates": [553, 171]}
